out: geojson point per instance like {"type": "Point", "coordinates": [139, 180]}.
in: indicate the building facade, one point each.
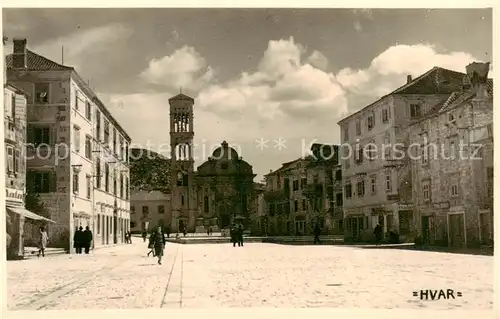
{"type": "Point", "coordinates": [376, 171]}
{"type": "Point", "coordinates": [453, 172]}
{"type": "Point", "coordinates": [77, 152]}
{"type": "Point", "coordinates": [301, 193]}
{"type": "Point", "coordinates": [15, 168]}
{"type": "Point", "coordinates": [149, 209]}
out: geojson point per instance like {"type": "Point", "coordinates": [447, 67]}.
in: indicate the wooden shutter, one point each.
{"type": "Point", "coordinates": [53, 181]}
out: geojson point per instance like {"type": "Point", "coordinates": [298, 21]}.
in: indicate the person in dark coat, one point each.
{"type": "Point", "coordinates": [158, 242]}
{"type": "Point", "coordinates": [87, 239]}
{"type": "Point", "coordinates": [377, 231]}
{"type": "Point", "coordinates": [185, 230]}
{"type": "Point", "coordinates": [77, 240]}
{"type": "Point", "coordinates": [129, 237]}
{"type": "Point", "coordinates": [144, 235]}
{"type": "Point", "coordinates": [240, 235]}
{"type": "Point", "coordinates": [168, 230]}
{"type": "Point", "coordinates": [317, 232]}
{"type": "Point", "coordinates": [233, 233]}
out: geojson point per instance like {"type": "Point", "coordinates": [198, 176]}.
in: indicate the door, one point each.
{"type": "Point", "coordinates": [425, 230]}
{"type": "Point", "coordinates": [456, 229]}
{"type": "Point", "coordinates": [181, 226]}
{"type": "Point", "coordinates": [355, 228]}
{"type": "Point", "coordinates": [485, 224]}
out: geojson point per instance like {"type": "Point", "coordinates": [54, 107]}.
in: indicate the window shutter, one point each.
{"type": "Point", "coordinates": [53, 181]}
{"type": "Point", "coordinates": [30, 181]}
{"type": "Point", "coordinates": [30, 133]}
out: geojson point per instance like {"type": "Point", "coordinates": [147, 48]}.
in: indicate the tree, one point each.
{"type": "Point", "coordinates": [149, 171]}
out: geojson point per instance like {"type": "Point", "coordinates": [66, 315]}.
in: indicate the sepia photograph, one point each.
{"type": "Point", "coordinates": [248, 158]}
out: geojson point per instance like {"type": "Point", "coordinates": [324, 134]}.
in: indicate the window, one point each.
{"type": "Point", "coordinates": [161, 209]}
{"type": "Point", "coordinates": [40, 182]}
{"type": "Point", "coordinates": [370, 151]}
{"type": "Point", "coordinates": [361, 188]}
{"type": "Point", "coordinates": [371, 122]}
{"type": "Point", "coordinates": [106, 177]}
{"type": "Point", "coordinates": [414, 110]}
{"type": "Point", "coordinates": [132, 209]}
{"type": "Point", "coordinates": [348, 190]}
{"type": "Point", "coordinates": [121, 186]}
{"type": "Point", "coordinates": [182, 200]}
{"type": "Point", "coordinates": [145, 210]}
{"type": "Point", "coordinates": [88, 110]}
{"type": "Point", "coordinates": [88, 146]}
{"type": "Point", "coordinates": [121, 150]}
{"type": "Point", "coordinates": [126, 152]}
{"type": "Point", "coordinates": [106, 132]}
{"type": "Point", "coordinates": [385, 115]}
{"type": "Point", "coordinates": [388, 183]}
{"type": "Point", "coordinates": [426, 187]}
{"type": "Point", "coordinates": [126, 188]}
{"type": "Point", "coordinates": [10, 159]}
{"type": "Point", "coordinates": [358, 127]}
{"type": "Point", "coordinates": [76, 138]}
{"type": "Point", "coordinates": [17, 160]}
{"type": "Point", "coordinates": [98, 223]}
{"type": "Point", "coordinates": [98, 125]}
{"type": "Point", "coordinates": [454, 190]}
{"type": "Point", "coordinates": [88, 179]}
{"type": "Point", "coordinates": [303, 182]}
{"type": "Point", "coordinates": [387, 145]}
{"type": "Point", "coordinates": [114, 141]}
{"type": "Point", "coordinates": [338, 199]}
{"type": "Point", "coordinates": [13, 107]}
{"type": "Point", "coordinates": [98, 173]}
{"type": "Point", "coordinates": [374, 185]}
{"type": "Point", "coordinates": [451, 118]}
{"type": "Point", "coordinates": [296, 206]}
{"type": "Point", "coordinates": [76, 184]}
{"type": "Point", "coordinates": [359, 157]}
{"type": "Point", "coordinates": [295, 185]}
{"type": "Point", "coordinates": [40, 135]}
{"type": "Point", "coordinates": [115, 188]}
{"type": "Point", "coordinates": [206, 205]}
{"type": "Point", "coordinates": [77, 98]}
{"type": "Point", "coordinates": [304, 205]}
{"type": "Point", "coordinates": [425, 154]}
{"type": "Point", "coordinates": [346, 133]}
{"type": "Point", "coordinates": [42, 93]}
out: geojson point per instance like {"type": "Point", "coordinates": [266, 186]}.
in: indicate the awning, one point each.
{"type": "Point", "coordinates": [26, 213]}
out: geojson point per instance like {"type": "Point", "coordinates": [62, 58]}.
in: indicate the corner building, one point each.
{"type": "Point", "coordinates": [377, 179]}
{"type": "Point", "coordinates": [77, 152]}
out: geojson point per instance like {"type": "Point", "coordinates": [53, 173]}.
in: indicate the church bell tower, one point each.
{"type": "Point", "coordinates": [183, 190]}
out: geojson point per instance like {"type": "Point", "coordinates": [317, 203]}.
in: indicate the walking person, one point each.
{"type": "Point", "coordinates": [129, 235]}
{"type": "Point", "coordinates": [151, 246]}
{"type": "Point", "coordinates": [77, 240]}
{"type": "Point", "coordinates": [240, 235]}
{"type": "Point", "coordinates": [159, 242]}
{"type": "Point", "coordinates": [233, 234]}
{"type": "Point", "coordinates": [144, 235]}
{"type": "Point", "coordinates": [168, 230]}
{"type": "Point", "coordinates": [317, 232]}
{"type": "Point", "coordinates": [377, 231]}
{"type": "Point", "coordinates": [44, 238]}
{"type": "Point", "coordinates": [87, 239]}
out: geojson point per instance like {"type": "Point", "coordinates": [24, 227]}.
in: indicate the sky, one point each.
{"type": "Point", "coordinates": [285, 76]}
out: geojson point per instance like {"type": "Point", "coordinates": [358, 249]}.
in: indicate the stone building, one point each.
{"type": "Point", "coordinates": [452, 170]}
{"type": "Point", "coordinates": [301, 193]}
{"type": "Point", "coordinates": [77, 152]}
{"type": "Point", "coordinates": [376, 173]}
{"type": "Point", "coordinates": [149, 208]}
{"type": "Point", "coordinates": [221, 189]}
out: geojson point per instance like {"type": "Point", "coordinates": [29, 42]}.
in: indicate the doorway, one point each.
{"type": "Point", "coordinates": [299, 227]}
{"type": "Point", "coordinates": [426, 225]}
{"type": "Point", "coordinates": [456, 230]}
{"type": "Point", "coordinates": [485, 228]}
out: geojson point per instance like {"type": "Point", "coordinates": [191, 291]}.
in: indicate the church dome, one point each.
{"type": "Point", "coordinates": [225, 152]}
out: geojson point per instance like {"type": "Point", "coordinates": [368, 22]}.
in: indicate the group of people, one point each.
{"type": "Point", "coordinates": [236, 233]}
{"type": "Point", "coordinates": [82, 240]}
{"type": "Point", "coordinates": [128, 237]}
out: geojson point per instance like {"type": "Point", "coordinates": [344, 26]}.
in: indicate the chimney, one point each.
{"type": "Point", "coordinates": [477, 72]}
{"type": "Point", "coordinates": [408, 79]}
{"type": "Point", "coordinates": [19, 59]}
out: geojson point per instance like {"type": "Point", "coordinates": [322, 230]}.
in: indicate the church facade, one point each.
{"type": "Point", "coordinates": [219, 192]}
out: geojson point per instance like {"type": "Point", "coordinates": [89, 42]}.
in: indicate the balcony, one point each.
{"type": "Point", "coordinates": [314, 189]}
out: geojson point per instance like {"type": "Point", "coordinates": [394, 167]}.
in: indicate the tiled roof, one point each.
{"type": "Point", "coordinates": [37, 62]}
{"type": "Point", "coordinates": [435, 81]}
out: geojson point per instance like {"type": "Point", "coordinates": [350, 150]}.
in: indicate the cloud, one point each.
{"type": "Point", "coordinates": [388, 70]}
{"type": "Point", "coordinates": [83, 47]}
{"type": "Point", "coordinates": [183, 68]}
{"type": "Point", "coordinates": [286, 96]}
{"type": "Point", "coordinates": [318, 60]}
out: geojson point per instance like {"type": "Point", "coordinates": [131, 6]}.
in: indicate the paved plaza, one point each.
{"type": "Point", "coordinates": [256, 275]}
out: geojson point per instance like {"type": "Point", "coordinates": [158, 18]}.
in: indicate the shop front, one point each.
{"type": "Point", "coordinates": [22, 224]}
